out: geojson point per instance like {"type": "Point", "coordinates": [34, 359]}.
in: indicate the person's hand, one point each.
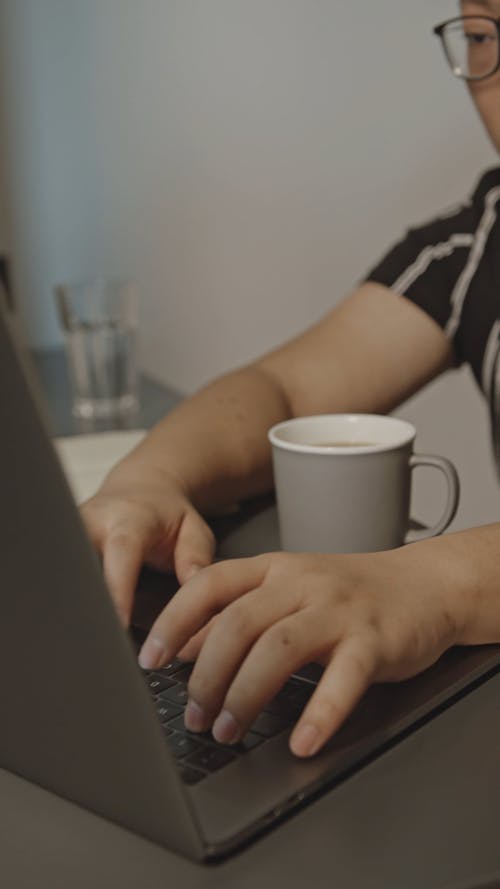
{"type": "Point", "coordinates": [143, 518]}
{"type": "Point", "coordinates": [250, 623]}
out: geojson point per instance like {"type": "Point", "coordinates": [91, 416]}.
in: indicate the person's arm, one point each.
{"type": "Point", "coordinates": [376, 617]}
{"type": "Point", "coordinates": [368, 354]}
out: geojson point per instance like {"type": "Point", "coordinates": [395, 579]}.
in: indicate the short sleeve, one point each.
{"type": "Point", "coordinates": [425, 266]}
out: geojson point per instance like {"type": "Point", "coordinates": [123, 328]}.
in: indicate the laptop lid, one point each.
{"type": "Point", "coordinates": [76, 716]}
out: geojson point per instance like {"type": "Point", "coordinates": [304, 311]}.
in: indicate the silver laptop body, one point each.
{"type": "Point", "coordinates": [77, 717]}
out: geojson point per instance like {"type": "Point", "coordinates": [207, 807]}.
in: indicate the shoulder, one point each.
{"type": "Point", "coordinates": [433, 254]}
{"type": "Point", "coordinates": [486, 188]}
{"type": "Point", "coordinates": [463, 218]}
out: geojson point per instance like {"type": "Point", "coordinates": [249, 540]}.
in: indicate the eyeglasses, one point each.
{"type": "Point", "coordinates": [471, 45]}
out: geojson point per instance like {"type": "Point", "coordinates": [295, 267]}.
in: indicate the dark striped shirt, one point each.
{"type": "Point", "coordinates": [450, 267]}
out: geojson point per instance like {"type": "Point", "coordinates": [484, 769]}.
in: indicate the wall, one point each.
{"type": "Point", "coordinates": [246, 161]}
{"type": "Point", "coordinates": [4, 237]}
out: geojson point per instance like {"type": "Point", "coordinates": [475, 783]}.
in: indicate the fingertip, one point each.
{"type": "Point", "coordinates": [226, 729]}
{"type": "Point", "coordinates": [153, 654]}
{"type": "Point", "coordinates": [305, 741]}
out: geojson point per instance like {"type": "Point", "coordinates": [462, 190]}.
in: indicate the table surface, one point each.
{"type": "Point", "coordinates": [423, 815]}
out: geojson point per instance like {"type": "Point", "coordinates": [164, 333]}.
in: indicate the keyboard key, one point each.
{"type": "Point", "coordinates": [166, 710]}
{"type": "Point", "coordinates": [178, 725]}
{"type": "Point", "coordinates": [248, 743]}
{"type": "Point", "coordinates": [177, 694]}
{"type": "Point", "coordinates": [281, 707]}
{"type": "Point", "coordinates": [184, 673]}
{"type": "Point", "coordinates": [174, 667]}
{"type": "Point", "coordinates": [269, 724]}
{"type": "Point", "coordinates": [291, 700]}
{"type": "Point", "coordinates": [297, 686]}
{"type": "Point", "coordinates": [312, 672]}
{"type": "Point", "coordinates": [182, 745]}
{"type": "Point", "coordinates": [211, 758]}
{"type": "Point", "coordinates": [191, 776]}
{"type": "Point", "coordinates": [158, 683]}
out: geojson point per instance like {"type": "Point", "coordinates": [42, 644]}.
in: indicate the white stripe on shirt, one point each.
{"type": "Point", "coordinates": [461, 287]}
{"type": "Point", "coordinates": [489, 356]}
{"type": "Point", "coordinates": [428, 254]}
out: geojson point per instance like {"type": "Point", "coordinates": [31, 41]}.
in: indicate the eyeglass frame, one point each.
{"type": "Point", "coordinates": [439, 29]}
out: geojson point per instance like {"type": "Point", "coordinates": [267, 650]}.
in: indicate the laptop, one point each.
{"type": "Point", "coordinates": [81, 719]}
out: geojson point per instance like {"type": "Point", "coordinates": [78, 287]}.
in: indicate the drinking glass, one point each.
{"type": "Point", "coordinates": [99, 320]}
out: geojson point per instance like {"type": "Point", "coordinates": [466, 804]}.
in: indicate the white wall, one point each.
{"type": "Point", "coordinates": [245, 160]}
{"type": "Point", "coordinates": [4, 236]}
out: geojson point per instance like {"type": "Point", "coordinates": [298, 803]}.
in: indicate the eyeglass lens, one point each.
{"type": "Point", "coordinates": [471, 46]}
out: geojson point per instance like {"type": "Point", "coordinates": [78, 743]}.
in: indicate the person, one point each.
{"type": "Point", "coordinates": [248, 623]}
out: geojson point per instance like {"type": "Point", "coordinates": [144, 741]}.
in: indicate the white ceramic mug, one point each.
{"type": "Point", "coordinates": [343, 483]}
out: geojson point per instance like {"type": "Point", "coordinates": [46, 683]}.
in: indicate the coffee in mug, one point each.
{"type": "Point", "coordinates": [342, 444]}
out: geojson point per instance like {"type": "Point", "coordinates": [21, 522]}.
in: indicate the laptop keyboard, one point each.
{"type": "Point", "coordinates": [199, 755]}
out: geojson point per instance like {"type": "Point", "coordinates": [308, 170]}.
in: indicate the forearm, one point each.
{"type": "Point", "coordinates": [366, 355]}
{"type": "Point", "coordinates": [463, 568]}
{"type": "Point", "coordinates": [215, 443]}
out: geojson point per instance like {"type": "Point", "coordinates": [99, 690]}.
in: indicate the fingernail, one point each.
{"type": "Point", "coordinates": [306, 740]}
{"type": "Point", "coordinates": [152, 654]}
{"type": "Point", "coordinates": [225, 728]}
{"type": "Point", "coordinates": [195, 718]}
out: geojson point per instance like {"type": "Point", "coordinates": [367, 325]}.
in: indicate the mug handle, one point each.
{"type": "Point", "coordinates": [453, 495]}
